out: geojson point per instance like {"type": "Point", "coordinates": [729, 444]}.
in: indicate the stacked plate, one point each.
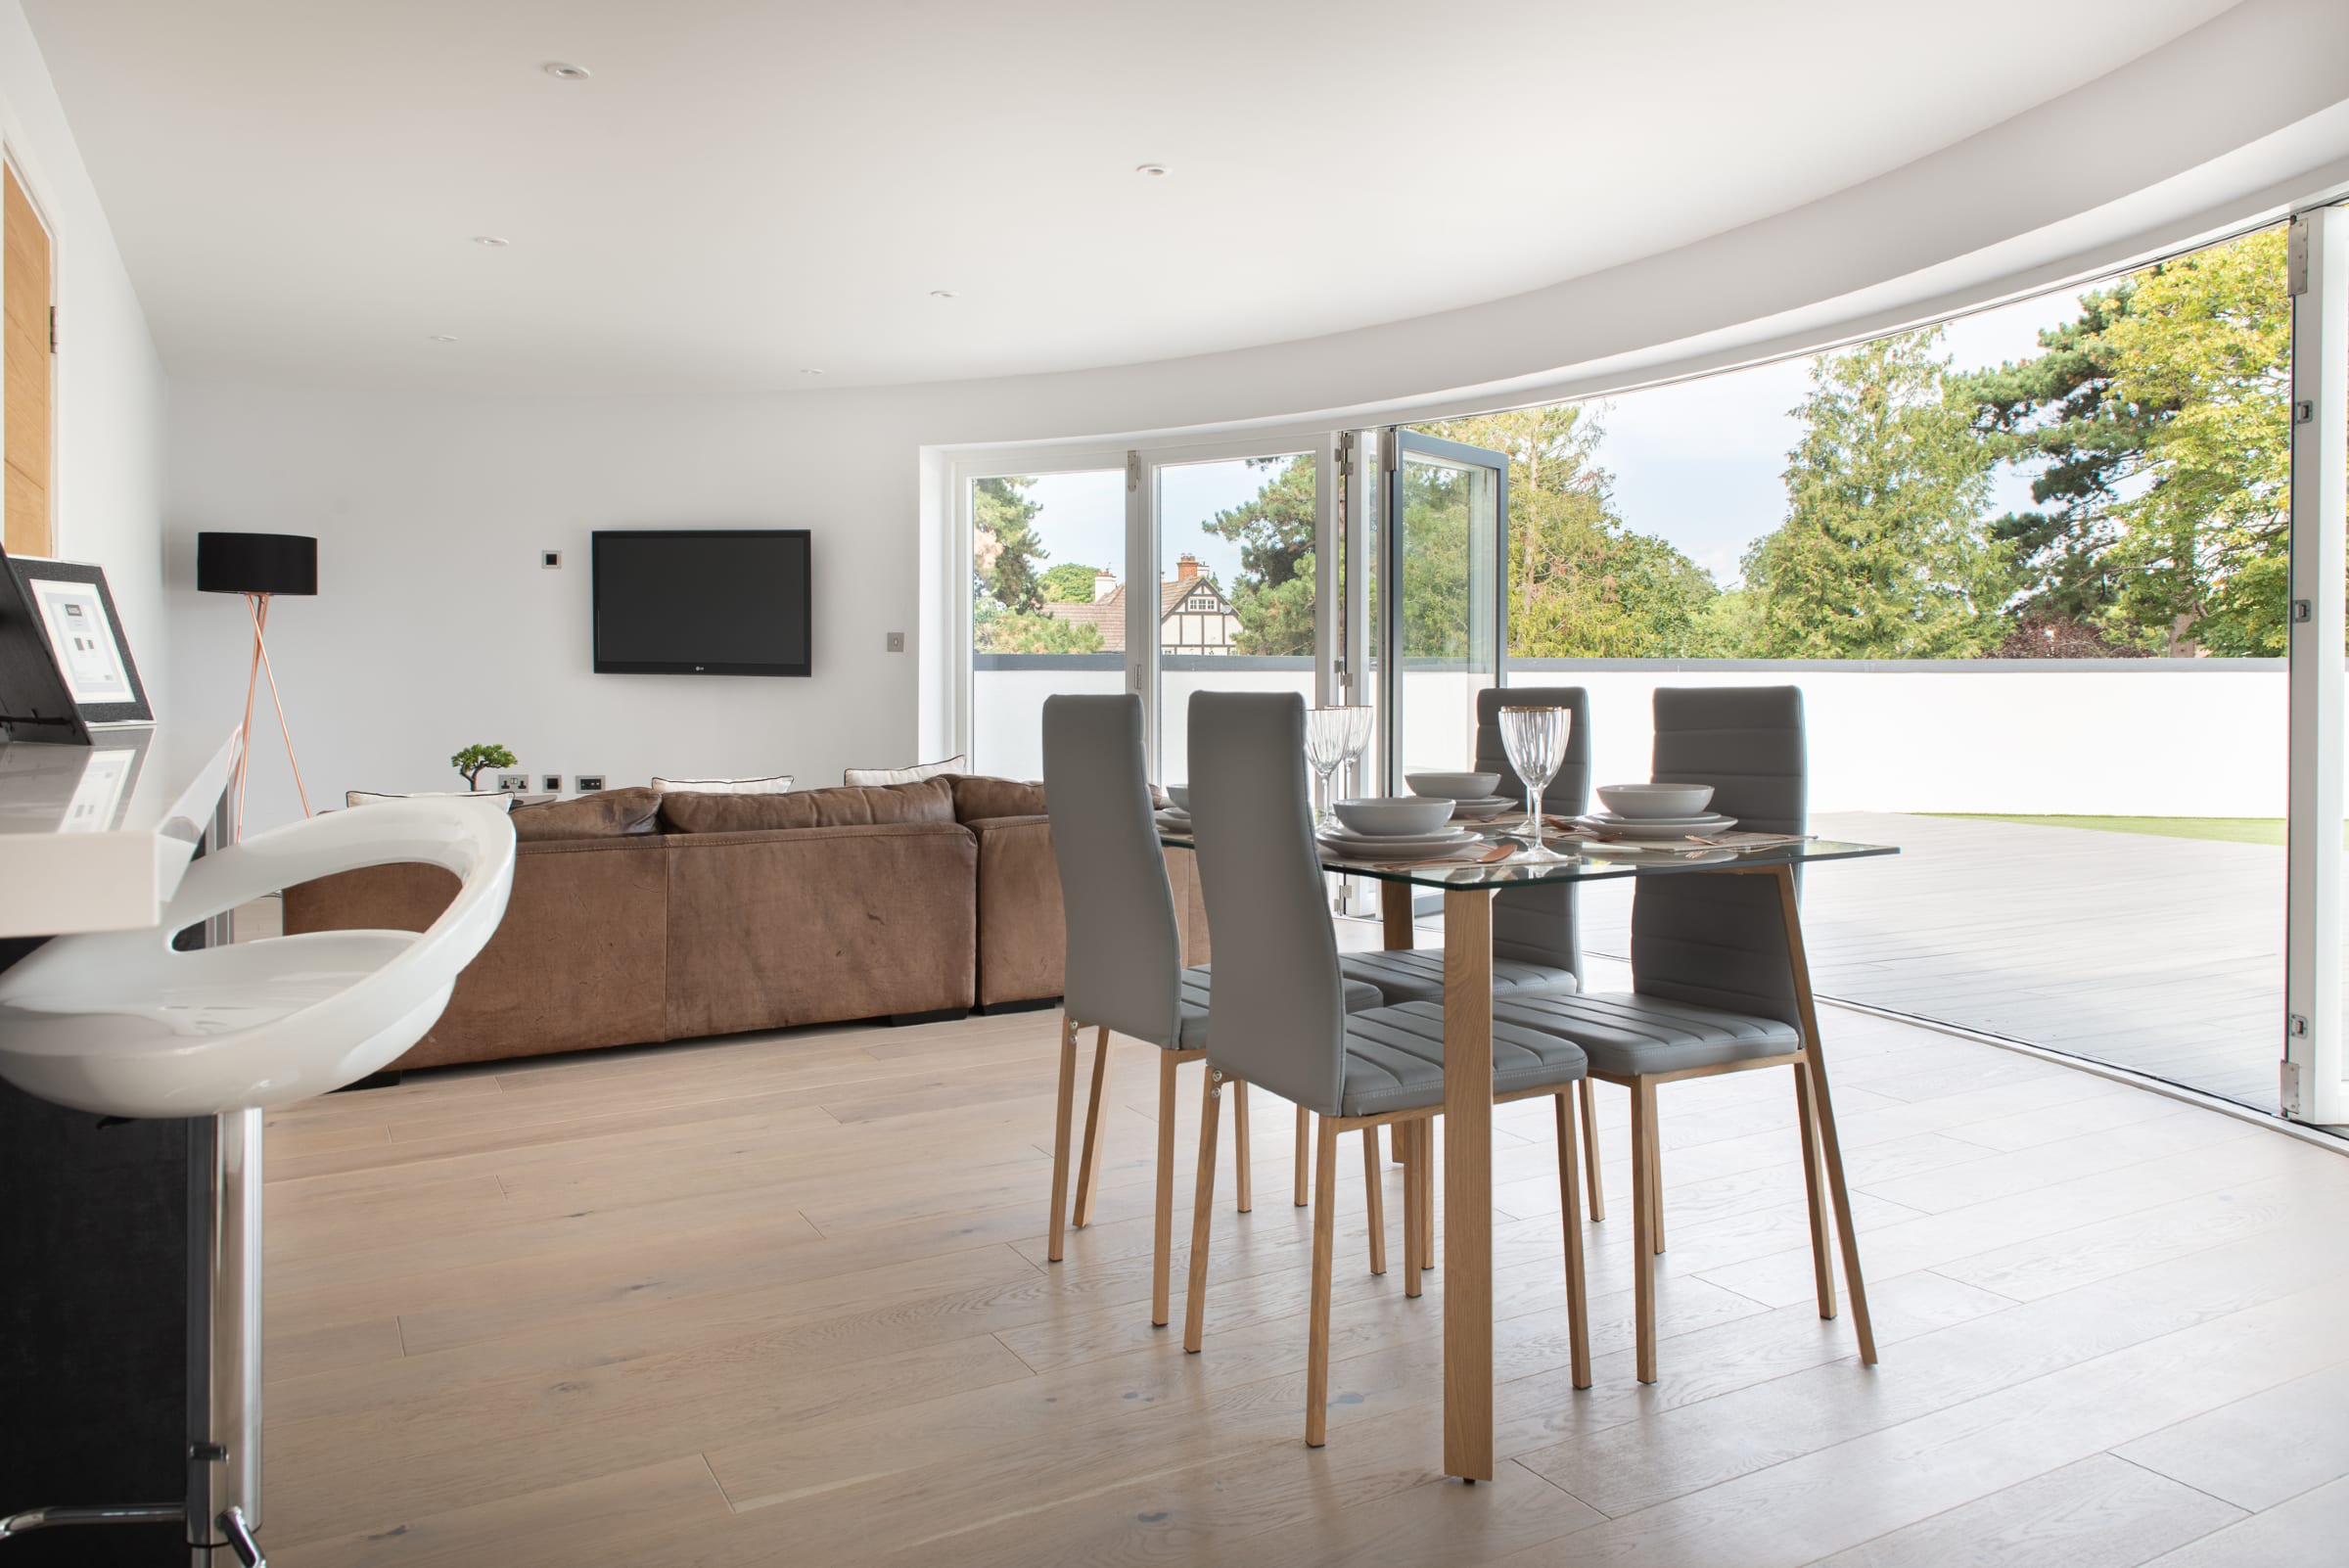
{"type": "Point", "coordinates": [1350, 846]}
{"type": "Point", "coordinates": [1641, 829]}
{"type": "Point", "coordinates": [1484, 808]}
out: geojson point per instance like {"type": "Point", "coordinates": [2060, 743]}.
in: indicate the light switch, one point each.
{"type": "Point", "coordinates": [896, 642]}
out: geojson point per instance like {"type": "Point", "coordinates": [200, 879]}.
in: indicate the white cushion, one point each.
{"type": "Point", "coordinates": [919, 771]}
{"type": "Point", "coordinates": [504, 799]}
{"type": "Point", "coordinates": [778, 784]}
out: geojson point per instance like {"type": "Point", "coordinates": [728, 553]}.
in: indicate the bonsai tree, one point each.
{"type": "Point", "coordinates": [474, 761]}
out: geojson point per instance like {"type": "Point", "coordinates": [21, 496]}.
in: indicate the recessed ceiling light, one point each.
{"type": "Point", "coordinates": [493, 241]}
{"type": "Point", "coordinates": [942, 294]}
{"type": "Point", "coordinates": [440, 337]}
{"type": "Point", "coordinates": [1153, 170]}
{"type": "Point", "coordinates": [565, 70]}
{"type": "Point", "coordinates": [810, 372]}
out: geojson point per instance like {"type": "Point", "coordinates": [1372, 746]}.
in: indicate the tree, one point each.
{"type": "Point", "coordinates": [1581, 584]}
{"type": "Point", "coordinates": [995, 629]}
{"type": "Point", "coordinates": [474, 761]}
{"type": "Point", "coordinates": [1004, 547]}
{"type": "Point", "coordinates": [1883, 554]}
{"type": "Point", "coordinates": [2208, 341]}
{"type": "Point", "coordinates": [1069, 584]}
{"type": "Point", "coordinates": [2059, 412]}
{"type": "Point", "coordinates": [1274, 593]}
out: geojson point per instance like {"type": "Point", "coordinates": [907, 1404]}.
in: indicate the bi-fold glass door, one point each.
{"type": "Point", "coordinates": [1441, 598]}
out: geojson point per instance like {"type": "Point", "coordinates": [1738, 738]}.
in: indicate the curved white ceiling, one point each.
{"type": "Point", "coordinates": [741, 192]}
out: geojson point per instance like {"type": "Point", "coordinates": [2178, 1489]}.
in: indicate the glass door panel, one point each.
{"type": "Point", "coordinates": [1447, 516]}
{"type": "Point", "coordinates": [1048, 605]}
{"type": "Point", "coordinates": [1235, 596]}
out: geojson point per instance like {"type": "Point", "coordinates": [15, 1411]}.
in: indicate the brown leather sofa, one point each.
{"type": "Point", "coordinates": [639, 918]}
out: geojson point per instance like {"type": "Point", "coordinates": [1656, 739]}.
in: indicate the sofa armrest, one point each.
{"type": "Point", "coordinates": [1023, 927]}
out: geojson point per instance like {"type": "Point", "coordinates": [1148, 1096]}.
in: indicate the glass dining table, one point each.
{"type": "Point", "coordinates": [1468, 887]}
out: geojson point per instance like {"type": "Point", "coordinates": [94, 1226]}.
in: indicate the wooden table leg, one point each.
{"type": "Point", "coordinates": [1468, 1183]}
{"type": "Point", "coordinates": [1830, 1146]}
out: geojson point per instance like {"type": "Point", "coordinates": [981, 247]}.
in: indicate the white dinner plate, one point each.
{"type": "Point", "coordinates": [1484, 811]}
{"type": "Point", "coordinates": [1632, 828]}
{"type": "Point", "coordinates": [1608, 819]}
{"type": "Point", "coordinates": [1374, 846]}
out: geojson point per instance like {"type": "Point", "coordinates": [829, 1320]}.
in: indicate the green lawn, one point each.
{"type": "Point", "coordinates": [2229, 829]}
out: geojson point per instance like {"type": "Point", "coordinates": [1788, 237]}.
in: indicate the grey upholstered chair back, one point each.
{"type": "Point", "coordinates": [1125, 949]}
{"type": "Point", "coordinates": [1277, 1014]}
{"type": "Point", "coordinates": [1720, 941]}
{"type": "Point", "coordinates": [1538, 925]}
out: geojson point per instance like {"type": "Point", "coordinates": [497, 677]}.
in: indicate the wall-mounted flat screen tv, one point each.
{"type": "Point", "coordinates": [701, 600]}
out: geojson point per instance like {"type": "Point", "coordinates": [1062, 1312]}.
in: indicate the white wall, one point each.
{"type": "Point", "coordinates": [108, 475]}
{"type": "Point", "coordinates": [436, 626]}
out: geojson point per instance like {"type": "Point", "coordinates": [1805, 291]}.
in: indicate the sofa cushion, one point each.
{"type": "Point", "coordinates": [495, 799]}
{"type": "Point", "coordinates": [772, 784]}
{"type": "Point", "coordinates": [979, 797]}
{"type": "Point", "coordinates": [931, 800]}
{"type": "Point", "coordinates": [872, 777]}
{"type": "Point", "coordinates": [605, 814]}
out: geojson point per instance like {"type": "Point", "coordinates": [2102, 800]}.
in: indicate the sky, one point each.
{"type": "Point", "coordinates": [1696, 463]}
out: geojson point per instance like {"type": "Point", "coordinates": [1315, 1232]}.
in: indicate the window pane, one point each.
{"type": "Point", "coordinates": [1047, 606]}
{"type": "Point", "coordinates": [1235, 587]}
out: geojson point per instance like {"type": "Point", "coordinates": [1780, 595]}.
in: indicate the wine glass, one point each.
{"type": "Point", "coordinates": [1332, 735]}
{"type": "Point", "coordinates": [1535, 740]}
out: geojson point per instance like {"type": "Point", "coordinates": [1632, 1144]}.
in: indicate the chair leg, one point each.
{"type": "Point", "coordinates": [1815, 1193]}
{"type": "Point", "coordinates": [1326, 1232]}
{"type": "Point", "coordinates": [1570, 1206]}
{"type": "Point", "coordinates": [1203, 1214]}
{"type": "Point", "coordinates": [1164, 1240]}
{"type": "Point", "coordinates": [1427, 1194]}
{"type": "Point", "coordinates": [1374, 1199]}
{"type": "Point", "coordinates": [1408, 1138]}
{"type": "Point", "coordinates": [1304, 1126]}
{"type": "Point", "coordinates": [1240, 1157]}
{"type": "Point", "coordinates": [1062, 1115]}
{"type": "Point", "coordinates": [1089, 1164]}
{"type": "Point", "coordinates": [1655, 1174]}
{"type": "Point", "coordinates": [1598, 1195]}
{"type": "Point", "coordinates": [1643, 1209]}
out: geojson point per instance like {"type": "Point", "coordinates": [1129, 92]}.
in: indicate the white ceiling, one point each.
{"type": "Point", "coordinates": [744, 190]}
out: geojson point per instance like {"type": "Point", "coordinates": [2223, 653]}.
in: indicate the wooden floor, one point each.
{"type": "Point", "coordinates": [2162, 955]}
{"type": "Point", "coordinates": [782, 1299]}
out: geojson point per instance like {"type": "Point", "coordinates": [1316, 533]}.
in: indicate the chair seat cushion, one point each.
{"type": "Point", "coordinates": [1361, 996]}
{"type": "Point", "coordinates": [1625, 1035]}
{"type": "Point", "coordinates": [1416, 975]}
{"type": "Point", "coordinates": [1394, 1059]}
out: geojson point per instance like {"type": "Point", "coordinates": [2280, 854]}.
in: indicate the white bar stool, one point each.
{"type": "Point", "coordinates": [121, 1023]}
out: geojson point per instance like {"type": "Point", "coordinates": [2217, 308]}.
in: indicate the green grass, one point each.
{"type": "Point", "coordinates": [2226, 829]}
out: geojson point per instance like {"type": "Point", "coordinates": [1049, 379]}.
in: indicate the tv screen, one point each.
{"type": "Point", "coordinates": [701, 600]}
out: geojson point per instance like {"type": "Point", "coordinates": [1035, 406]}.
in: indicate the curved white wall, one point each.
{"type": "Point", "coordinates": [439, 628]}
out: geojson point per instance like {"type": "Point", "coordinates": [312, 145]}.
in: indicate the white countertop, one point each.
{"type": "Point", "coordinates": [96, 838]}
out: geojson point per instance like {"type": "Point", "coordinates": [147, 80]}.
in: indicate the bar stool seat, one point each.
{"type": "Point", "coordinates": [125, 1024]}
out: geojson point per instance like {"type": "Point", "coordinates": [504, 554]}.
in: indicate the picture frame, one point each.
{"type": "Point", "coordinates": [63, 613]}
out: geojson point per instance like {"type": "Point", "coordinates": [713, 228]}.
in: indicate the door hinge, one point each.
{"type": "Point", "coordinates": [2288, 1083]}
{"type": "Point", "coordinates": [1133, 471]}
{"type": "Point", "coordinates": [2295, 257]}
{"type": "Point", "coordinates": [1390, 450]}
{"type": "Point", "coordinates": [2304, 412]}
{"type": "Point", "coordinates": [53, 329]}
{"type": "Point", "coordinates": [2303, 612]}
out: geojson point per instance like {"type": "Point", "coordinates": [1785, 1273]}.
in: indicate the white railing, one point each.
{"type": "Point", "coordinates": [2123, 737]}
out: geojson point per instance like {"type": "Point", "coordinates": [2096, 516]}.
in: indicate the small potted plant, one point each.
{"type": "Point", "coordinates": [474, 761]}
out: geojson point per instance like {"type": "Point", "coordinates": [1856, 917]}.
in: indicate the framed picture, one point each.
{"type": "Point", "coordinates": [72, 613]}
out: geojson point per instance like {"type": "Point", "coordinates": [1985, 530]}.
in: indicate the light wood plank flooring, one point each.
{"type": "Point", "coordinates": [783, 1300]}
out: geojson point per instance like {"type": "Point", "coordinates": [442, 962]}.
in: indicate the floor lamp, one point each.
{"type": "Point", "coordinates": [260, 567]}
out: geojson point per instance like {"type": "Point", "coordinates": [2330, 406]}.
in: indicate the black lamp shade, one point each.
{"type": "Point", "coordinates": [256, 563]}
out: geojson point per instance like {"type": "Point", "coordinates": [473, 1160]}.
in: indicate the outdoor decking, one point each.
{"type": "Point", "coordinates": [2164, 956]}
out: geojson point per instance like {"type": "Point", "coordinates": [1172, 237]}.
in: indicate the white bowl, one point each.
{"type": "Point", "coordinates": [1180, 794]}
{"type": "Point", "coordinates": [1395, 816]}
{"type": "Point", "coordinates": [1454, 785]}
{"type": "Point", "coordinates": [1656, 800]}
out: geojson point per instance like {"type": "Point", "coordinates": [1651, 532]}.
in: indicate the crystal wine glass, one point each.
{"type": "Point", "coordinates": [1332, 735]}
{"type": "Point", "coordinates": [1536, 741]}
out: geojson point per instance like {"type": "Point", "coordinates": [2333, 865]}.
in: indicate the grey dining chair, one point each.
{"type": "Point", "coordinates": [1537, 941]}
{"type": "Point", "coordinates": [1278, 1017]}
{"type": "Point", "coordinates": [1713, 988]}
{"type": "Point", "coordinates": [1123, 971]}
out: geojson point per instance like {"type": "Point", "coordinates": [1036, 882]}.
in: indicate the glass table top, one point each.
{"type": "Point", "coordinates": [1592, 862]}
